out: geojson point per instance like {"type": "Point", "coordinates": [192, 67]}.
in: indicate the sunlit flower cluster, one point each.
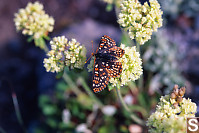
{"type": "Point", "coordinates": [33, 21]}
{"type": "Point", "coordinates": [140, 20]}
{"type": "Point", "coordinates": [64, 53]}
{"type": "Point", "coordinates": [169, 118]}
{"type": "Point", "coordinates": [131, 67]}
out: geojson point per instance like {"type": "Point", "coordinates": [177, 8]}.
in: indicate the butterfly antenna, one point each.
{"type": "Point", "coordinates": [92, 54]}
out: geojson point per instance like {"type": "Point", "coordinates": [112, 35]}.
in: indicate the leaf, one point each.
{"type": "Point", "coordinates": [51, 122]}
{"type": "Point", "coordinates": [46, 37]}
{"type": "Point", "coordinates": [59, 74]}
{"type": "Point", "coordinates": [109, 7]}
{"type": "Point", "coordinates": [43, 100]}
{"type": "Point", "coordinates": [49, 109]}
{"type": "Point", "coordinates": [30, 38]}
{"type": "Point", "coordinates": [126, 40]}
{"type": "Point", "coordinates": [110, 87]}
{"type": "Point", "coordinates": [40, 43]}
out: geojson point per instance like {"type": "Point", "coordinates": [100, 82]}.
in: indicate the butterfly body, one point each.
{"type": "Point", "coordinates": [106, 63]}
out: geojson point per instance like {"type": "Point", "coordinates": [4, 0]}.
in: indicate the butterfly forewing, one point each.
{"type": "Point", "coordinates": [116, 51]}
{"type": "Point", "coordinates": [106, 42]}
{"type": "Point", "coordinates": [100, 77]}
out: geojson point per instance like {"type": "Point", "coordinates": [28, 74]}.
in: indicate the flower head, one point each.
{"type": "Point", "coordinates": [169, 118]}
{"type": "Point", "coordinates": [131, 66]}
{"type": "Point", "coordinates": [64, 53]}
{"type": "Point", "coordinates": [140, 20]}
{"type": "Point", "coordinates": [33, 21]}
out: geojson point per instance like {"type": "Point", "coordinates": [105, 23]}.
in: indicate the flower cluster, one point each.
{"type": "Point", "coordinates": [131, 67]}
{"type": "Point", "coordinates": [64, 53]}
{"type": "Point", "coordinates": [169, 118]}
{"type": "Point", "coordinates": [140, 20]}
{"type": "Point", "coordinates": [33, 21]}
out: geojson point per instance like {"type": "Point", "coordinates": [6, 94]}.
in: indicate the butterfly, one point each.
{"type": "Point", "coordinates": [106, 64]}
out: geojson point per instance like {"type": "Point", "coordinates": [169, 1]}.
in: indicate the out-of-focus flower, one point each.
{"type": "Point", "coordinates": [82, 128]}
{"type": "Point", "coordinates": [109, 110]}
{"type": "Point", "coordinates": [162, 59]}
{"type": "Point", "coordinates": [64, 53]}
{"type": "Point", "coordinates": [66, 115]}
{"type": "Point", "coordinates": [140, 20]}
{"type": "Point", "coordinates": [131, 66]}
{"type": "Point", "coordinates": [169, 118]}
{"type": "Point", "coordinates": [33, 21]}
{"type": "Point", "coordinates": [134, 128]}
{"type": "Point", "coordinates": [129, 99]}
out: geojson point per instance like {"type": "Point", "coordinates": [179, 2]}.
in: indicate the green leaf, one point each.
{"type": "Point", "coordinates": [43, 100]}
{"type": "Point", "coordinates": [40, 42]}
{"type": "Point", "coordinates": [30, 38]}
{"type": "Point", "coordinates": [59, 74]}
{"type": "Point", "coordinates": [110, 87]}
{"type": "Point", "coordinates": [103, 129]}
{"type": "Point", "coordinates": [126, 40]}
{"type": "Point", "coordinates": [61, 86]}
{"type": "Point", "coordinates": [49, 110]}
{"type": "Point", "coordinates": [46, 37]}
{"type": "Point", "coordinates": [51, 122]}
{"type": "Point", "coordinates": [109, 7]}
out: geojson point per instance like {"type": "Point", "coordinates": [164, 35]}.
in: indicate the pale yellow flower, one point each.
{"type": "Point", "coordinates": [33, 21]}
{"type": "Point", "coordinates": [64, 53]}
{"type": "Point", "coordinates": [140, 20]}
{"type": "Point", "coordinates": [170, 119]}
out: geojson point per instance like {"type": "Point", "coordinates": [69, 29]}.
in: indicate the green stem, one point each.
{"type": "Point", "coordinates": [46, 49]}
{"type": "Point", "coordinates": [133, 116]}
{"type": "Point", "coordinates": [140, 80]}
{"type": "Point", "coordinates": [17, 110]}
{"type": "Point", "coordinates": [90, 93]}
{"type": "Point", "coordinates": [73, 86]}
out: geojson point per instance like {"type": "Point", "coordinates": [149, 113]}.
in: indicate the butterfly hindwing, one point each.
{"type": "Point", "coordinates": [116, 51]}
{"type": "Point", "coordinates": [100, 77]}
{"type": "Point", "coordinates": [113, 68]}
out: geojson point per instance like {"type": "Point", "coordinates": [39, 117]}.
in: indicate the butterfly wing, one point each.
{"type": "Point", "coordinates": [113, 68]}
{"type": "Point", "coordinates": [116, 51]}
{"type": "Point", "coordinates": [100, 77]}
{"type": "Point", "coordinates": [105, 42]}
{"type": "Point", "coordinates": [108, 46]}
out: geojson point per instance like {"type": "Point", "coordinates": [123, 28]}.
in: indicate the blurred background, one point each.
{"type": "Point", "coordinates": [47, 104]}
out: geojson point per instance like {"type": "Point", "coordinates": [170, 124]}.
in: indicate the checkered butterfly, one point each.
{"type": "Point", "coordinates": [106, 63]}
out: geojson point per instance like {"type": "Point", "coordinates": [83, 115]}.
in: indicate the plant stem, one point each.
{"type": "Point", "coordinates": [90, 93]}
{"type": "Point", "coordinates": [73, 86]}
{"type": "Point", "coordinates": [17, 110]}
{"type": "Point", "coordinates": [46, 49]}
{"type": "Point", "coordinates": [140, 80]}
{"type": "Point", "coordinates": [133, 116]}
